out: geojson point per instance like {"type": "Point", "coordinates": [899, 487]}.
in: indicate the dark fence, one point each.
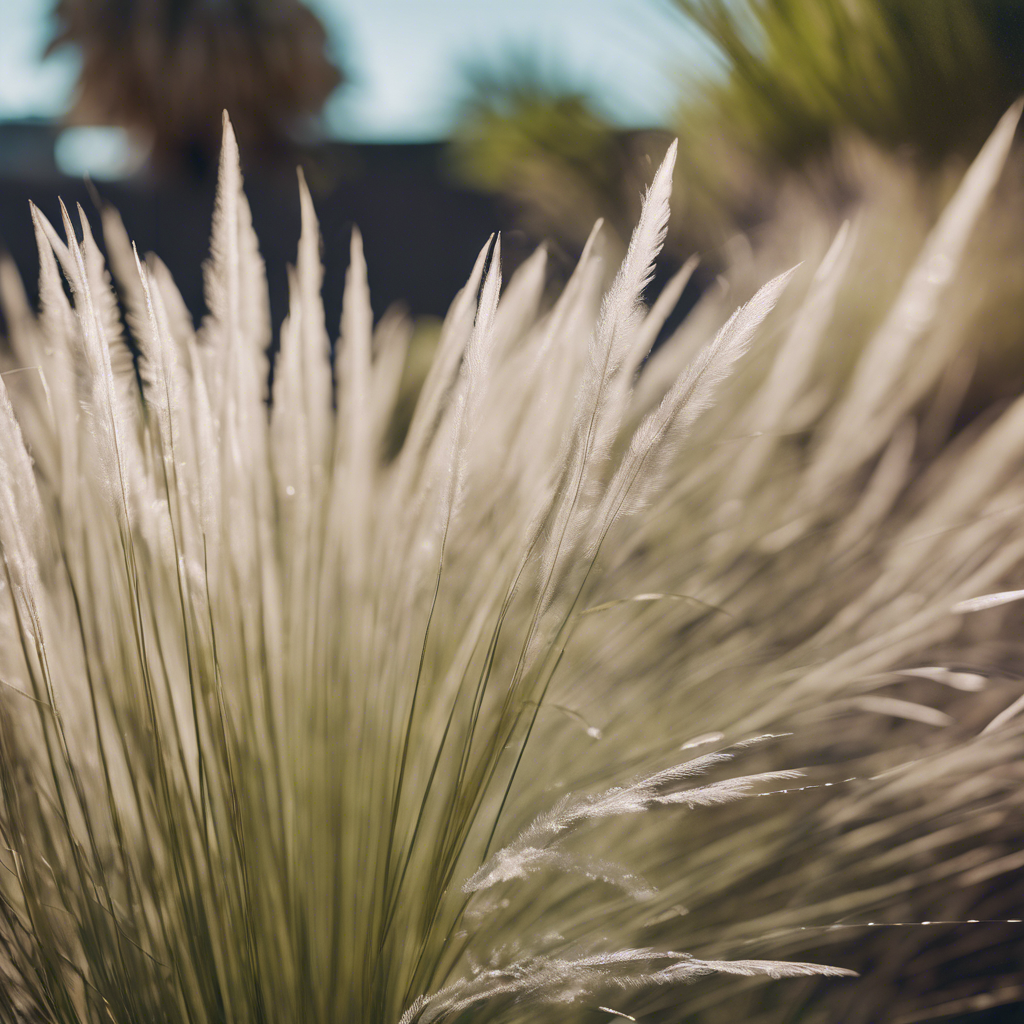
{"type": "Point", "coordinates": [421, 230]}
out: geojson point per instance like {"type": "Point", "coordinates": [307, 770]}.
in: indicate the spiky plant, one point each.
{"type": "Point", "coordinates": [291, 732]}
{"type": "Point", "coordinates": [932, 77]}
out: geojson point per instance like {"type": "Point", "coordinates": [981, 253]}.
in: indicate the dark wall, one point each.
{"type": "Point", "coordinates": [421, 231]}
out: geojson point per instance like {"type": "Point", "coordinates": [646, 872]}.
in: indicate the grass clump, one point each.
{"type": "Point", "coordinates": [293, 730]}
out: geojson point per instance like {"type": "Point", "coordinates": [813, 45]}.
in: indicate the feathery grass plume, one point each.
{"type": "Point", "coordinates": [293, 731]}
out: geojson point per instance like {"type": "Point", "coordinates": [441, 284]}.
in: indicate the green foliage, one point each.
{"type": "Point", "coordinates": [505, 125]}
{"type": "Point", "coordinates": [932, 76]}
{"type": "Point", "coordinates": [544, 147]}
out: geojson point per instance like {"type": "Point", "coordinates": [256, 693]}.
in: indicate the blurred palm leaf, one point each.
{"type": "Point", "coordinates": [926, 79]}
{"type": "Point", "coordinates": [935, 76]}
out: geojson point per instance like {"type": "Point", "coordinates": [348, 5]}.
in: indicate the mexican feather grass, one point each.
{"type": "Point", "coordinates": [496, 728]}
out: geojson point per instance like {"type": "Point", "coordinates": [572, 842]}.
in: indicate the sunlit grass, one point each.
{"type": "Point", "coordinates": [299, 728]}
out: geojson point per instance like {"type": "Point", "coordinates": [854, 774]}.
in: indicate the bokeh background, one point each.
{"type": "Point", "coordinates": [430, 123]}
{"type": "Point", "coordinates": [367, 97]}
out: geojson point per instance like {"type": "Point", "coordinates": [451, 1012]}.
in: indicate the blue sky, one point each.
{"type": "Point", "coordinates": [406, 58]}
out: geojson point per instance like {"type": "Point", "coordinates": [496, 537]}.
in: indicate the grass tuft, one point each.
{"type": "Point", "coordinates": [298, 727]}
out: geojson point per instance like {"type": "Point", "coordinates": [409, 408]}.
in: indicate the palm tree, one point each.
{"type": "Point", "coordinates": [167, 69]}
